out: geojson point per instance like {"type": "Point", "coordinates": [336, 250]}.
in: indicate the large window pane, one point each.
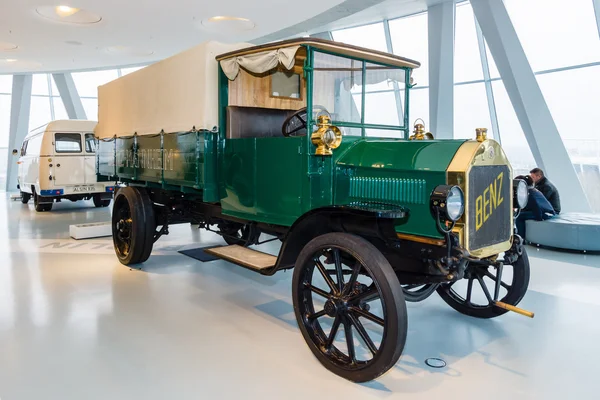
{"type": "Point", "coordinates": [564, 33]}
{"type": "Point", "coordinates": [409, 39]}
{"type": "Point", "coordinates": [4, 119]}
{"type": "Point", "coordinates": [470, 111]}
{"type": "Point", "coordinates": [513, 139]}
{"type": "Point", "coordinates": [53, 87]}
{"type": "Point", "coordinates": [87, 82]}
{"type": "Point", "coordinates": [418, 107]}
{"type": "Point", "coordinates": [6, 84]}
{"type": "Point", "coordinates": [59, 108]}
{"type": "Point", "coordinates": [467, 62]}
{"type": "Point", "coordinates": [125, 71]}
{"type": "Point", "coordinates": [369, 36]}
{"type": "Point", "coordinates": [40, 112]}
{"type": "Point", "coordinates": [572, 98]}
{"type": "Point", "coordinates": [3, 162]}
{"type": "Point", "coordinates": [39, 84]}
{"type": "Point", "coordinates": [91, 108]}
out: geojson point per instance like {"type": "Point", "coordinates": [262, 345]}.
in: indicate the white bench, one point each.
{"type": "Point", "coordinates": [570, 231]}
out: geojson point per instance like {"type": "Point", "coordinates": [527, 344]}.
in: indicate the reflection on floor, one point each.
{"type": "Point", "coordinates": [76, 324]}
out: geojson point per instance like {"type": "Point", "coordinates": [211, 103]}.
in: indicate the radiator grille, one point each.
{"type": "Point", "coordinates": [389, 190]}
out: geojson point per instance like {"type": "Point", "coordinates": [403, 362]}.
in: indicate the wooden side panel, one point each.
{"type": "Point", "coordinates": [253, 90]}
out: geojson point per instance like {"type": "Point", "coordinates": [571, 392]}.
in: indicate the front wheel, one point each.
{"type": "Point", "coordinates": [25, 197]}
{"type": "Point", "coordinates": [133, 225]}
{"type": "Point", "coordinates": [349, 306]}
{"type": "Point", "coordinates": [474, 295]}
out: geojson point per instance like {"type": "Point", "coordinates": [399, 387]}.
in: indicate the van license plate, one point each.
{"type": "Point", "coordinates": [84, 188]}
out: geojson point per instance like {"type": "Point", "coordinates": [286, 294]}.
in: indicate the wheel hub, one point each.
{"type": "Point", "coordinates": [335, 306]}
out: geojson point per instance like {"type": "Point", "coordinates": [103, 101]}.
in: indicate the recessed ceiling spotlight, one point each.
{"type": "Point", "coordinates": [227, 24]}
{"type": "Point", "coordinates": [5, 46]}
{"type": "Point", "coordinates": [128, 51]}
{"type": "Point", "coordinates": [67, 14]}
{"type": "Point", "coordinates": [65, 11]}
{"type": "Point", "coordinates": [10, 60]}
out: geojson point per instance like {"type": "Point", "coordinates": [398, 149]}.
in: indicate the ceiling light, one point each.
{"type": "Point", "coordinates": [5, 46]}
{"type": "Point", "coordinates": [68, 15]}
{"type": "Point", "coordinates": [65, 11]}
{"type": "Point", "coordinates": [10, 59]}
{"type": "Point", "coordinates": [227, 25]}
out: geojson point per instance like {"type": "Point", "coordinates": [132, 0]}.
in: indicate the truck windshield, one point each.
{"type": "Point", "coordinates": [338, 88]}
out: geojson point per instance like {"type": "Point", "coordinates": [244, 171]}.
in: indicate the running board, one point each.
{"type": "Point", "coordinates": [245, 257]}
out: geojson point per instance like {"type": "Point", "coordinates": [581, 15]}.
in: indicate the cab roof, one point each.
{"type": "Point", "coordinates": [330, 46]}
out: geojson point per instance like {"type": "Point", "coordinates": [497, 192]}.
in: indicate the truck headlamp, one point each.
{"type": "Point", "coordinates": [327, 137]}
{"type": "Point", "coordinates": [448, 202]}
{"type": "Point", "coordinates": [520, 193]}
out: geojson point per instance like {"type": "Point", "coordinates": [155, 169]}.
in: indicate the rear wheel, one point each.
{"type": "Point", "coordinates": [241, 234]}
{"type": "Point", "coordinates": [474, 295]}
{"type": "Point", "coordinates": [25, 197]}
{"type": "Point", "coordinates": [99, 202]}
{"type": "Point", "coordinates": [349, 306]}
{"type": "Point", "coordinates": [40, 207]}
{"type": "Point", "coordinates": [133, 225]}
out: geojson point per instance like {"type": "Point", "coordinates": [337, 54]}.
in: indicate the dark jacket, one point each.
{"type": "Point", "coordinates": [550, 193]}
{"type": "Point", "coordinates": [538, 205]}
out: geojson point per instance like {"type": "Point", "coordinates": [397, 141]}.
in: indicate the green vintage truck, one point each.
{"type": "Point", "coordinates": [297, 141]}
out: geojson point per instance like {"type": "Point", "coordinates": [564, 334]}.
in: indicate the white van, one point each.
{"type": "Point", "coordinates": [58, 161]}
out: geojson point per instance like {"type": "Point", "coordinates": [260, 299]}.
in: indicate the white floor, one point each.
{"type": "Point", "coordinates": [76, 324]}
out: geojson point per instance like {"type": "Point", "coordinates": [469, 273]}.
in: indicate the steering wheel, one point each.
{"type": "Point", "coordinates": [297, 123]}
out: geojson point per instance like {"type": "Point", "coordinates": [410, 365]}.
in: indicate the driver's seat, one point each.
{"type": "Point", "coordinates": [255, 122]}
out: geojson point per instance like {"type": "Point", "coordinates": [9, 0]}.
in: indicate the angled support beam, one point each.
{"type": "Point", "coordinates": [488, 83]}
{"type": "Point", "coordinates": [528, 101]}
{"type": "Point", "coordinates": [440, 20]}
{"type": "Point", "coordinates": [597, 12]}
{"type": "Point", "coordinates": [19, 125]}
{"type": "Point", "coordinates": [323, 35]}
{"type": "Point", "coordinates": [70, 97]}
{"type": "Point", "coordinates": [397, 95]}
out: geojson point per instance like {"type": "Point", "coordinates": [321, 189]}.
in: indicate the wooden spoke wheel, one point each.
{"type": "Point", "coordinates": [474, 294]}
{"type": "Point", "coordinates": [133, 225]}
{"type": "Point", "coordinates": [418, 292]}
{"type": "Point", "coordinates": [349, 306]}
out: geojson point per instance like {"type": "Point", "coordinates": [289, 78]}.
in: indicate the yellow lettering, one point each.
{"type": "Point", "coordinates": [478, 213]}
{"type": "Point", "coordinates": [486, 202]}
{"type": "Point", "coordinates": [493, 199]}
{"type": "Point", "coordinates": [499, 192]}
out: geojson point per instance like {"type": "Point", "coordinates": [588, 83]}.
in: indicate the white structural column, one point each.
{"type": "Point", "coordinates": [19, 125]}
{"type": "Point", "coordinates": [526, 97]}
{"type": "Point", "coordinates": [70, 97]}
{"type": "Point", "coordinates": [440, 20]}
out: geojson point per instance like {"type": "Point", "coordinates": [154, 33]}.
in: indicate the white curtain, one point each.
{"type": "Point", "coordinates": [260, 62]}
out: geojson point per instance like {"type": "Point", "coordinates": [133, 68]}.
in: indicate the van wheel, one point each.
{"type": "Point", "coordinates": [25, 197]}
{"type": "Point", "coordinates": [40, 207]}
{"type": "Point", "coordinates": [98, 202]}
{"type": "Point", "coordinates": [133, 225]}
{"type": "Point", "coordinates": [349, 306]}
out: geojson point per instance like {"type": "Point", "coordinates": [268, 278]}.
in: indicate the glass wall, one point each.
{"type": "Point", "coordinates": [563, 49]}
{"type": "Point", "coordinates": [47, 105]}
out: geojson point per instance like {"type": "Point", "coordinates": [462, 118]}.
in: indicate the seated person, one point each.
{"type": "Point", "coordinates": [537, 208]}
{"type": "Point", "coordinates": [547, 188]}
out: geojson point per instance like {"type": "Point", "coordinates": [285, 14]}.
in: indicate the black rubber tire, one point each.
{"type": "Point", "coordinates": [98, 202]}
{"type": "Point", "coordinates": [239, 234]}
{"type": "Point", "coordinates": [392, 298]}
{"type": "Point", "coordinates": [142, 226]}
{"type": "Point", "coordinates": [25, 197]}
{"type": "Point", "coordinates": [421, 293]}
{"type": "Point", "coordinates": [520, 283]}
{"type": "Point", "coordinates": [40, 207]}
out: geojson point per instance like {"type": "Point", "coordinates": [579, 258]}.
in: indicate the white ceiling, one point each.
{"type": "Point", "coordinates": [159, 26]}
